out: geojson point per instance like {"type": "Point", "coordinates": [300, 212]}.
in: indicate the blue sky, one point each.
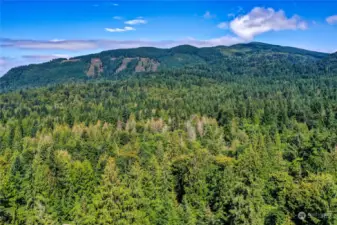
{"type": "Point", "coordinates": [37, 31]}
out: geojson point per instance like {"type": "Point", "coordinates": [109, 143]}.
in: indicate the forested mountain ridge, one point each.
{"type": "Point", "coordinates": [254, 58]}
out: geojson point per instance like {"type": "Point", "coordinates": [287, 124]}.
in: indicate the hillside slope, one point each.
{"type": "Point", "coordinates": [254, 58]}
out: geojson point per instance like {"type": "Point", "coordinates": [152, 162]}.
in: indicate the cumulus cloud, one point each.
{"type": "Point", "coordinates": [136, 21]}
{"type": "Point", "coordinates": [118, 17]}
{"type": "Point", "coordinates": [208, 15]}
{"type": "Point", "coordinates": [332, 20]}
{"type": "Point", "coordinates": [261, 20]}
{"type": "Point", "coordinates": [119, 29]}
{"type": "Point", "coordinates": [223, 25]}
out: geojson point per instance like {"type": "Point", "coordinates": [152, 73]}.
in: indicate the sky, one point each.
{"type": "Point", "coordinates": [40, 30]}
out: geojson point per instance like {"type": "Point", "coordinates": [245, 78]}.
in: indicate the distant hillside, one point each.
{"type": "Point", "coordinates": [257, 59]}
{"type": "Point", "coordinates": [330, 63]}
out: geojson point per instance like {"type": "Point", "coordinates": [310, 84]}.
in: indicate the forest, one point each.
{"type": "Point", "coordinates": [197, 145]}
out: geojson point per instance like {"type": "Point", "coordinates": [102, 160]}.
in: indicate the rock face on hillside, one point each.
{"type": "Point", "coordinates": [147, 65]}
{"type": "Point", "coordinates": [96, 68]}
{"type": "Point", "coordinates": [143, 64]}
{"type": "Point", "coordinates": [124, 64]}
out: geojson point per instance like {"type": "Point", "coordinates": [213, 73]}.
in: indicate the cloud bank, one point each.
{"type": "Point", "coordinates": [77, 45]}
{"type": "Point", "coordinates": [47, 44]}
{"type": "Point", "coordinates": [45, 57]}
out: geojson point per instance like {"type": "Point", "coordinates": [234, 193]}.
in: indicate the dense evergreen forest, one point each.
{"type": "Point", "coordinates": [252, 142]}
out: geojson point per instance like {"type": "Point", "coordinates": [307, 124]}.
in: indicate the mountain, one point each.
{"type": "Point", "coordinates": [258, 59]}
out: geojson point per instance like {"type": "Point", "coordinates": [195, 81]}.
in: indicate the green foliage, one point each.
{"type": "Point", "coordinates": [191, 146]}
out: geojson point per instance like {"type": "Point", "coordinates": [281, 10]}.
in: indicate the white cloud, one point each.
{"type": "Point", "coordinates": [118, 17]}
{"type": "Point", "coordinates": [135, 22]}
{"type": "Point", "coordinates": [261, 20]}
{"type": "Point", "coordinates": [223, 25]}
{"type": "Point", "coordinates": [208, 15]}
{"type": "Point", "coordinates": [115, 4]}
{"type": "Point", "coordinates": [332, 20]}
{"type": "Point", "coordinates": [119, 29]}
